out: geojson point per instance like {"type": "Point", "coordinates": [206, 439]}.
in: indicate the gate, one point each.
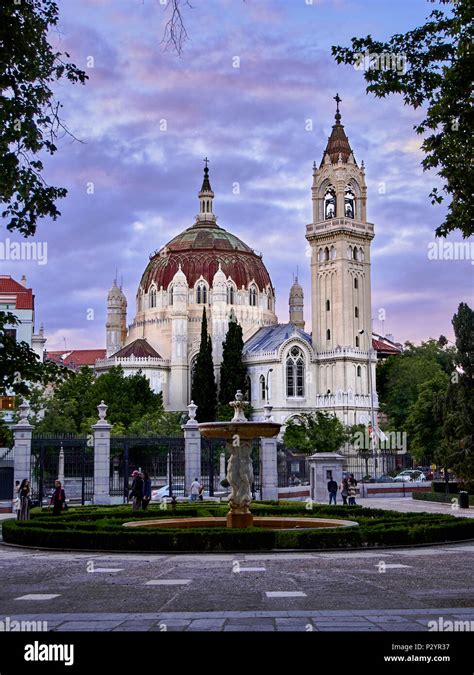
{"type": "Point", "coordinates": [6, 483]}
{"type": "Point", "coordinates": [161, 458]}
{"type": "Point", "coordinates": [78, 467]}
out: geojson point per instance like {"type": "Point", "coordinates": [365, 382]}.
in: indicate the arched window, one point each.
{"type": "Point", "coordinates": [152, 298]}
{"type": "Point", "coordinates": [361, 254]}
{"type": "Point", "coordinates": [356, 283]}
{"type": "Point", "coordinates": [263, 393]}
{"type": "Point", "coordinates": [328, 305]}
{"type": "Point", "coordinates": [356, 312]}
{"type": "Point", "coordinates": [230, 295]}
{"type": "Point", "coordinates": [328, 334]}
{"type": "Point", "coordinates": [248, 389]}
{"type": "Point", "coordinates": [269, 302]}
{"type": "Point", "coordinates": [357, 340]}
{"type": "Point", "coordinates": [349, 252]}
{"type": "Point", "coordinates": [326, 253]}
{"type": "Point", "coordinates": [253, 297]}
{"type": "Point", "coordinates": [356, 253]}
{"type": "Point", "coordinates": [320, 255]}
{"type": "Point", "coordinates": [295, 372]}
{"type": "Point", "coordinates": [201, 293]}
{"type": "Point", "coordinates": [349, 202]}
{"type": "Point", "coordinates": [170, 295]}
{"type": "Point", "coordinates": [359, 371]}
{"type": "Point", "coordinates": [333, 253]}
{"type": "Point", "coordinates": [330, 203]}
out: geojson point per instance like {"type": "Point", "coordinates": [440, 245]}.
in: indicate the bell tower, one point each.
{"type": "Point", "coordinates": [340, 239]}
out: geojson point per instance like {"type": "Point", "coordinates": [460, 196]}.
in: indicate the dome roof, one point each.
{"type": "Point", "coordinates": [199, 250]}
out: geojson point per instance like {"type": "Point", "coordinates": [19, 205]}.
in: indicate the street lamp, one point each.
{"type": "Point", "coordinates": [266, 382]}
{"type": "Point", "coordinates": [372, 420]}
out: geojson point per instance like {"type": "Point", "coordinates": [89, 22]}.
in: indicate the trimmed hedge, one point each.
{"type": "Point", "coordinates": [438, 497]}
{"type": "Point", "coordinates": [102, 528]}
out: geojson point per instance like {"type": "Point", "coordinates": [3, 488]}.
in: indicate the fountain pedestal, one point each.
{"type": "Point", "coordinates": [239, 519]}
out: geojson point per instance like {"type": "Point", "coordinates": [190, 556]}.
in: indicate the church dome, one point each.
{"type": "Point", "coordinates": [200, 250]}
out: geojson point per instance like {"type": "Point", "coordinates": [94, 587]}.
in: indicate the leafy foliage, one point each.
{"type": "Point", "coordinates": [315, 432]}
{"type": "Point", "coordinates": [437, 74]}
{"type": "Point", "coordinates": [204, 390]}
{"type": "Point", "coordinates": [29, 113]}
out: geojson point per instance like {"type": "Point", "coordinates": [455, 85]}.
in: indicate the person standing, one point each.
{"type": "Point", "coordinates": [136, 491]}
{"type": "Point", "coordinates": [58, 499]}
{"type": "Point", "coordinates": [195, 485]}
{"type": "Point", "coordinates": [201, 492]}
{"type": "Point", "coordinates": [146, 490]}
{"type": "Point", "coordinates": [352, 490]}
{"type": "Point", "coordinates": [16, 498]}
{"type": "Point", "coordinates": [332, 489]}
{"type": "Point", "coordinates": [344, 487]}
{"type": "Point", "coordinates": [24, 501]}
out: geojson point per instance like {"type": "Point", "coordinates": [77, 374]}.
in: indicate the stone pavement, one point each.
{"type": "Point", "coordinates": [401, 620]}
{"type": "Point", "coordinates": [407, 505]}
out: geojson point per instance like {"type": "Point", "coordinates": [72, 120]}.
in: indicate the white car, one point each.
{"type": "Point", "coordinates": [157, 495]}
{"type": "Point", "coordinates": [410, 475]}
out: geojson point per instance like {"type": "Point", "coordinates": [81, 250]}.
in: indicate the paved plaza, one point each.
{"type": "Point", "coordinates": [396, 590]}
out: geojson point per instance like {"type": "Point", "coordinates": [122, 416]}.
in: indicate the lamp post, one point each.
{"type": "Point", "coordinates": [266, 382]}
{"type": "Point", "coordinates": [372, 419]}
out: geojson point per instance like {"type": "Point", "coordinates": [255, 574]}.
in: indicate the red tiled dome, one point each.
{"type": "Point", "coordinates": [199, 250]}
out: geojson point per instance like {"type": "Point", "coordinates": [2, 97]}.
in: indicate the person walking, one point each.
{"type": "Point", "coordinates": [352, 490]}
{"type": "Point", "coordinates": [24, 501]}
{"type": "Point", "coordinates": [201, 492]}
{"type": "Point", "coordinates": [58, 498]}
{"type": "Point", "coordinates": [344, 487]}
{"type": "Point", "coordinates": [195, 485]}
{"type": "Point", "coordinates": [16, 498]}
{"type": "Point", "coordinates": [146, 490]}
{"type": "Point", "coordinates": [332, 489]}
{"type": "Point", "coordinates": [136, 491]}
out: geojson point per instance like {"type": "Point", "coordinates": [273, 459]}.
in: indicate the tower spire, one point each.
{"type": "Point", "coordinates": [338, 147]}
{"type": "Point", "coordinates": [206, 196]}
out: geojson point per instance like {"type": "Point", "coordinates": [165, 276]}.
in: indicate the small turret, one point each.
{"type": "Point", "coordinates": [296, 303]}
{"type": "Point", "coordinates": [116, 327]}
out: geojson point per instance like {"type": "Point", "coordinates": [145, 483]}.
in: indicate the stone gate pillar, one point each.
{"type": "Point", "coordinates": [22, 433]}
{"type": "Point", "coordinates": [192, 449]}
{"type": "Point", "coordinates": [101, 431]}
{"type": "Point", "coordinates": [268, 450]}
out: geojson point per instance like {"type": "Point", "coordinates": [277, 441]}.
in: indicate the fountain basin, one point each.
{"type": "Point", "coordinates": [245, 430]}
{"type": "Point", "coordinates": [267, 522]}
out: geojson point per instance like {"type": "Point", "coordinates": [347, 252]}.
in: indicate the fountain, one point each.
{"type": "Point", "coordinates": [239, 434]}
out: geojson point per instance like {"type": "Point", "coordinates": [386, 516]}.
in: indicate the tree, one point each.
{"type": "Point", "coordinates": [20, 366]}
{"type": "Point", "coordinates": [158, 424]}
{"type": "Point", "coordinates": [434, 69]}
{"type": "Point", "coordinates": [29, 112]}
{"type": "Point", "coordinates": [233, 370]}
{"type": "Point", "coordinates": [315, 432]}
{"type": "Point", "coordinates": [425, 418]}
{"type": "Point", "coordinates": [203, 390]}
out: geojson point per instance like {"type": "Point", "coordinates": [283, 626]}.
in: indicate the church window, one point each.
{"type": "Point", "coordinates": [326, 253]}
{"type": "Point", "coordinates": [349, 252]}
{"type": "Point", "coordinates": [361, 254]}
{"type": "Point", "coordinates": [262, 388]}
{"type": "Point", "coordinates": [328, 334]}
{"type": "Point", "coordinates": [356, 253]}
{"type": "Point", "coordinates": [295, 367]}
{"type": "Point", "coordinates": [356, 312]}
{"type": "Point", "coordinates": [153, 298]}
{"type": "Point", "coordinates": [269, 302]}
{"type": "Point", "coordinates": [253, 297]}
{"type": "Point", "coordinates": [357, 340]}
{"type": "Point", "coordinates": [349, 202]}
{"type": "Point", "coordinates": [356, 283]}
{"type": "Point", "coordinates": [330, 203]}
{"type": "Point", "coordinates": [201, 293]}
{"type": "Point", "coordinates": [320, 255]}
{"type": "Point", "coordinates": [230, 295]}
{"type": "Point", "coordinates": [359, 371]}
{"type": "Point", "coordinates": [248, 389]}
{"type": "Point", "coordinates": [328, 305]}
{"type": "Point", "coordinates": [333, 252]}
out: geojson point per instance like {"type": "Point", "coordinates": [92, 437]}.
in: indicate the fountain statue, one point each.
{"type": "Point", "coordinates": [239, 434]}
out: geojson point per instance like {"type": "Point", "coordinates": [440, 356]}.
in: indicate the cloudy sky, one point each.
{"type": "Point", "coordinates": [147, 117]}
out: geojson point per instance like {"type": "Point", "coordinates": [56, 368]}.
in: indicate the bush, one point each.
{"type": "Point", "coordinates": [102, 528]}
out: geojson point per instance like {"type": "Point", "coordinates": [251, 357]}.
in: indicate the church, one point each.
{"type": "Point", "coordinates": [330, 367]}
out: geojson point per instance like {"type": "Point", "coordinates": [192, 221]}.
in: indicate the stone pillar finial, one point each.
{"type": "Point", "coordinates": [192, 407]}
{"type": "Point", "coordinates": [268, 412]}
{"type": "Point", "coordinates": [24, 409]}
{"type": "Point", "coordinates": [102, 408]}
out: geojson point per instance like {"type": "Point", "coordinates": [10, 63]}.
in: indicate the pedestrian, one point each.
{"type": "Point", "coordinates": [344, 487]}
{"type": "Point", "coordinates": [195, 485]}
{"type": "Point", "coordinates": [136, 491]}
{"type": "Point", "coordinates": [352, 490]}
{"type": "Point", "coordinates": [146, 490]}
{"type": "Point", "coordinates": [332, 489]}
{"type": "Point", "coordinates": [201, 492]}
{"type": "Point", "coordinates": [58, 498]}
{"type": "Point", "coordinates": [16, 498]}
{"type": "Point", "coordinates": [24, 500]}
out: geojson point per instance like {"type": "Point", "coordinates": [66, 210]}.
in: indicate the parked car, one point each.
{"type": "Point", "coordinates": [385, 479]}
{"type": "Point", "coordinates": [426, 470]}
{"type": "Point", "coordinates": [157, 495]}
{"type": "Point", "coordinates": [410, 475]}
